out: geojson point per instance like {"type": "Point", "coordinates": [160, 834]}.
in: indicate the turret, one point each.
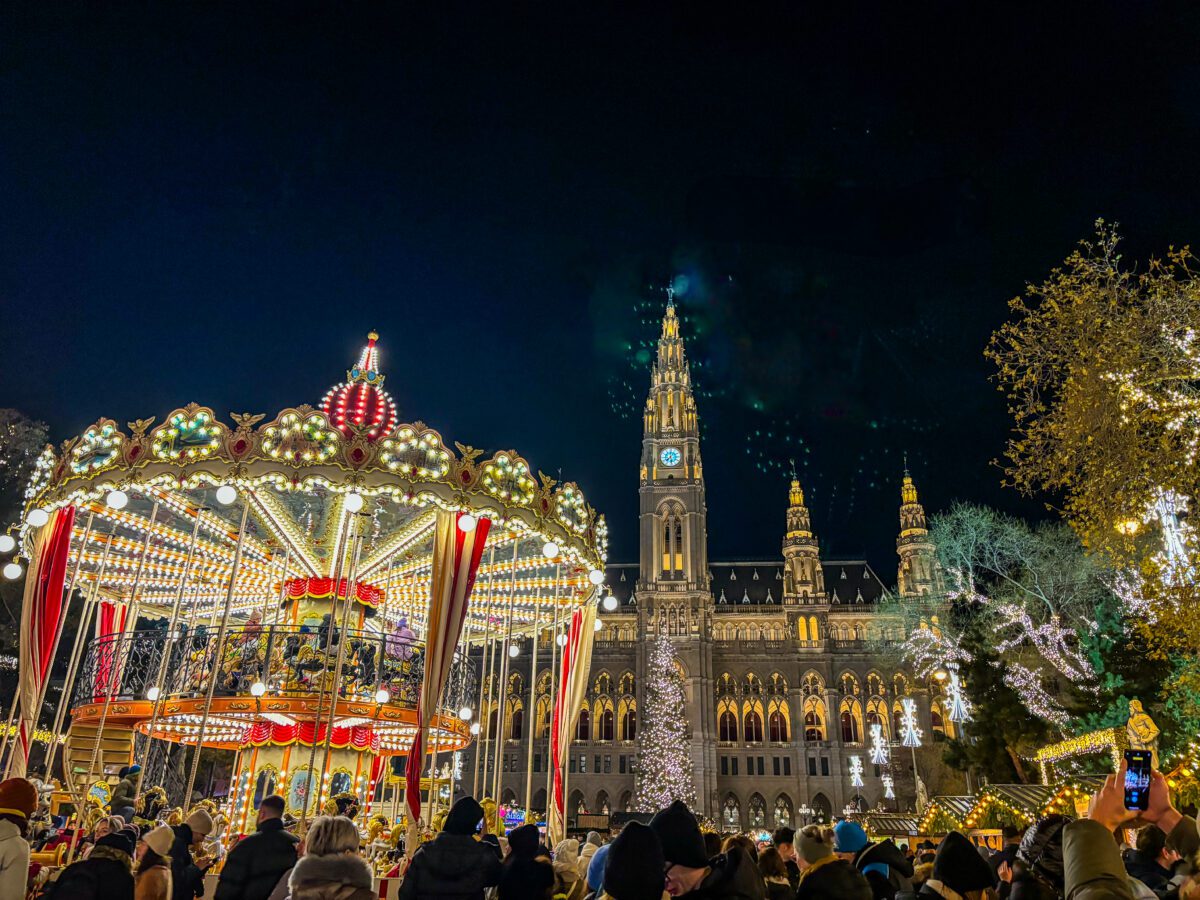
{"type": "Point", "coordinates": [803, 575]}
{"type": "Point", "coordinates": [918, 570]}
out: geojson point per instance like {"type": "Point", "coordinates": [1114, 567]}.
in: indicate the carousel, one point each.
{"type": "Point", "coordinates": [302, 590]}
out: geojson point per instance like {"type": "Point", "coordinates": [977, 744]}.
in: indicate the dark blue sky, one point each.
{"type": "Point", "coordinates": [215, 203]}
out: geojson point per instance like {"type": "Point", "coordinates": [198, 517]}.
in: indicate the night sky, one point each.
{"type": "Point", "coordinates": [215, 202]}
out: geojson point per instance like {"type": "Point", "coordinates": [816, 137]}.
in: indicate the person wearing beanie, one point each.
{"type": "Point", "coordinates": [886, 869]}
{"type": "Point", "coordinates": [105, 875]}
{"type": "Point", "coordinates": [454, 864]}
{"type": "Point", "coordinates": [527, 873]}
{"type": "Point", "coordinates": [689, 872]}
{"type": "Point", "coordinates": [189, 862]}
{"type": "Point", "coordinates": [124, 795]}
{"type": "Point", "coordinates": [811, 847]}
{"type": "Point", "coordinates": [959, 871]}
{"type": "Point", "coordinates": [849, 839]}
{"type": "Point", "coordinates": [152, 876]}
{"type": "Point", "coordinates": [18, 800]}
{"type": "Point", "coordinates": [587, 850]}
{"type": "Point", "coordinates": [258, 861]}
{"type": "Point", "coordinates": [634, 863]}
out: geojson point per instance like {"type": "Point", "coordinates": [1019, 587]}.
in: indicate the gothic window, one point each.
{"type": "Point", "coordinates": [753, 729]}
{"type": "Point", "coordinates": [751, 686]}
{"type": "Point", "coordinates": [877, 715]}
{"type": "Point", "coordinates": [849, 684]}
{"type": "Point", "coordinates": [583, 731]}
{"type": "Point", "coordinates": [812, 686]}
{"type": "Point", "coordinates": [725, 686]}
{"type": "Point", "coordinates": [814, 630]}
{"type": "Point", "coordinates": [814, 720]}
{"type": "Point", "coordinates": [603, 684]}
{"type": "Point", "coordinates": [541, 724]}
{"type": "Point", "coordinates": [900, 684]}
{"type": "Point", "coordinates": [516, 723]}
{"type": "Point", "coordinates": [850, 716]}
{"type": "Point", "coordinates": [758, 811]}
{"type": "Point", "coordinates": [777, 686]}
{"type": "Point", "coordinates": [605, 722]}
{"type": "Point", "coordinates": [731, 814]}
{"type": "Point", "coordinates": [874, 684]}
{"type": "Point", "coordinates": [859, 632]}
{"type": "Point", "coordinates": [777, 721]}
{"type": "Point", "coordinates": [727, 724]}
{"type": "Point", "coordinates": [627, 683]}
{"type": "Point", "coordinates": [938, 720]}
{"type": "Point", "coordinates": [783, 811]}
{"type": "Point", "coordinates": [897, 719]}
{"type": "Point", "coordinates": [628, 719]}
{"type": "Point", "coordinates": [802, 629]}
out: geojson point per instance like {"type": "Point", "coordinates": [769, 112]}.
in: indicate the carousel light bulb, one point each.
{"type": "Point", "coordinates": [467, 522]}
{"type": "Point", "coordinates": [353, 502]}
{"type": "Point", "coordinates": [465, 713]}
{"type": "Point", "coordinates": [513, 649]}
{"type": "Point", "coordinates": [383, 695]}
{"type": "Point", "coordinates": [609, 603]}
{"type": "Point", "coordinates": [562, 640]}
{"type": "Point", "coordinates": [153, 693]}
{"type": "Point", "coordinates": [599, 625]}
{"type": "Point", "coordinates": [7, 543]}
{"type": "Point", "coordinates": [549, 549]}
{"type": "Point", "coordinates": [117, 499]}
{"type": "Point", "coordinates": [475, 729]}
{"type": "Point", "coordinates": [257, 689]}
{"type": "Point", "coordinates": [37, 517]}
{"type": "Point", "coordinates": [596, 576]}
{"type": "Point", "coordinates": [226, 494]}
{"type": "Point", "coordinates": [12, 571]}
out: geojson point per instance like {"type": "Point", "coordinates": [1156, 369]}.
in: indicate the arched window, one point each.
{"type": "Point", "coordinates": [777, 726]}
{"type": "Point", "coordinates": [848, 684]}
{"type": "Point", "coordinates": [606, 724]}
{"type": "Point", "coordinates": [731, 814]}
{"type": "Point", "coordinates": [541, 726]}
{"type": "Point", "coordinates": [777, 685]}
{"type": "Point", "coordinates": [629, 721]}
{"type": "Point", "coordinates": [783, 811]}
{"type": "Point", "coordinates": [850, 716]}
{"type": "Point", "coordinates": [874, 684]}
{"type": "Point", "coordinates": [518, 723]}
{"type": "Point", "coordinates": [812, 685]}
{"type": "Point", "coordinates": [751, 686]}
{"type": "Point", "coordinates": [877, 715]}
{"type": "Point", "coordinates": [627, 683]}
{"type": "Point", "coordinates": [602, 805]}
{"type": "Point", "coordinates": [603, 684]}
{"type": "Point", "coordinates": [814, 719]}
{"type": "Point", "coordinates": [727, 726]}
{"type": "Point", "coordinates": [583, 731]}
{"type": "Point", "coordinates": [758, 811]}
{"type": "Point", "coordinates": [814, 631]}
{"type": "Point", "coordinates": [802, 629]}
{"type": "Point", "coordinates": [897, 720]}
{"type": "Point", "coordinates": [753, 727]}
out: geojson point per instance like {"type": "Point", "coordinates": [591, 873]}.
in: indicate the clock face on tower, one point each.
{"type": "Point", "coordinates": [670, 456]}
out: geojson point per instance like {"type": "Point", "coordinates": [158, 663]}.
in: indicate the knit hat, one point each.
{"type": "Point", "coordinates": [812, 847]}
{"type": "Point", "coordinates": [595, 872]}
{"type": "Point", "coordinates": [959, 866]}
{"type": "Point", "coordinates": [160, 839]}
{"type": "Point", "coordinates": [634, 869]}
{"type": "Point", "coordinates": [129, 770]}
{"type": "Point", "coordinates": [118, 840]}
{"type": "Point", "coordinates": [567, 852]}
{"type": "Point", "coordinates": [524, 841]}
{"type": "Point", "coordinates": [593, 837]}
{"type": "Point", "coordinates": [848, 837]}
{"type": "Point", "coordinates": [18, 797]}
{"type": "Point", "coordinates": [464, 817]}
{"type": "Point", "coordinates": [679, 834]}
{"type": "Point", "coordinates": [200, 822]}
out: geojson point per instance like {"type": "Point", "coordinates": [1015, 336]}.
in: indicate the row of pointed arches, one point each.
{"type": "Point", "coordinates": [609, 712]}
{"type": "Point", "coordinates": [753, 710]}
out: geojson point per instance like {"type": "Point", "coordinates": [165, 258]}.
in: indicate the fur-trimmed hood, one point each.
{"type": "Point", "coordinates": [346, 869]}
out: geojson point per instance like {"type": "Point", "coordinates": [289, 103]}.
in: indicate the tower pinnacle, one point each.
{"type": "Point", "coordinates": [804, 576]}
{"type": "Point", "coordinates": [918, 571]}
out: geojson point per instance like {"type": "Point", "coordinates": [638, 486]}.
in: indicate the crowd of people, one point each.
{"type": "Point", "coordinates": [1056, 858]}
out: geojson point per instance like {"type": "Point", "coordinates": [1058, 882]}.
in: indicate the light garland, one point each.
{"type": "Point", "coordinates": [664, 762]}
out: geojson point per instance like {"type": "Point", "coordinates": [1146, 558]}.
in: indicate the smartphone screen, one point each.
{"type": "Point", "coordinates": [1137, 779]}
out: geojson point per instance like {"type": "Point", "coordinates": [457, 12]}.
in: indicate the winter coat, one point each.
{"type": "Point", "coordinates": [779, 889]}
{"type": "Point", "coordinates": [454, 866]}
{"type": "Point", "coordinates": [1092, 868]}
{"type": "Point", "coordinates": [586, 852]}
{"type": "Point", "coordinates": [14, 860]}
{"type": "Point", "coordinates": [153, 883]}
{"type": "Point", "coordinates": [187, 878]}
{"type": "Point", "coordinates": [734, 876]}
{"type": "Point", "coordinates": [1147, 871]}
{"type": "Point", "coordinates": [900, 869]}
{"type": "Point", "coordinates": [257, 862]}
{"type": "Point", "coordinates": [123, 796]}
{"type": "Point", "coordinates": [335, 876]}
{"type": "Point", "coordinates": [104, 875]}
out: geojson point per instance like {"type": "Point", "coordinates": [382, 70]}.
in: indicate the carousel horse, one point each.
{"type": "Point", "coordinates": [152, 804]}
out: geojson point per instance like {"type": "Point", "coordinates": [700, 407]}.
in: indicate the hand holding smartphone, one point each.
{"type": "Point", "coordinates": [1137, 779]}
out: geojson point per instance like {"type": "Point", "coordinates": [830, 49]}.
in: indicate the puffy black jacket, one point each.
{"type": "Point", "coordinates": [451, 866]}
{"type": "Point", "coordinates": [187, 879]}
{"type": "Point", "coordinates": [900, 869]}
{"type": "Point", "coordinates": [99, 877]}
{"type": "Point", "coordinates": [734, 876]}
{"type": "Point", "coordinates": [255, 865]}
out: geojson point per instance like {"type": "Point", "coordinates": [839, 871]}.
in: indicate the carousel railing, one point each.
{"type": "Point", "coordinates": [288, 660]}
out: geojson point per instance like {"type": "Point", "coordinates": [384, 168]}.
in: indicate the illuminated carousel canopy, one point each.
{"type": "Point", "coordinates": [337, 501]}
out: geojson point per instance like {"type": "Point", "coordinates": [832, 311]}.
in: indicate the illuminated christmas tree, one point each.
{"type": "Point", "coordinates": [664, 764]}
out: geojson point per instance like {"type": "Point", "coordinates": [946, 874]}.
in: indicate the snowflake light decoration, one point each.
{"type": "Point", "coordinates": [856, 771]}
{"type": "Point", "coordinates": [960, 707]}
{"type": "Point", "coordinates": [910, 733]}
{"type": "Point", "coordinates": [879, 748]}
{"type": "Point", "coordinates": [889, 787]}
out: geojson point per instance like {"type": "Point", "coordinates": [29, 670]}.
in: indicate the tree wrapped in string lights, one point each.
{"type": "Point", "coordinates": [664, 764]}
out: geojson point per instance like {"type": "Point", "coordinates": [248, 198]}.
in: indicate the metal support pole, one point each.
{"type": "Point", "coordinates": [341, 654]}
{"type": "Point", "coordinates": [483, 664]}
{"type": "Point", "coordinates": [532, 702]}
{"type": "Point", "coordinates": [552, 694]}
{"type": "Point", "coordinates": [214, 670]}
{"type": "Point", "coordinates": [502, 688]}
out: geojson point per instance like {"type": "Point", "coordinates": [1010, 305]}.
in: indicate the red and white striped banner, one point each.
{"type": "Point", "coordinates": [572, 686]}
{"type": "Point", "coordinates": [456, 555]}
{"type": "Point", "coordinates": [40, 613]}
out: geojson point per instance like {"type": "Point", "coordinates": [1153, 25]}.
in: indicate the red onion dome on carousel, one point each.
{"type": "Point", "coordinates": [300, 589]}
